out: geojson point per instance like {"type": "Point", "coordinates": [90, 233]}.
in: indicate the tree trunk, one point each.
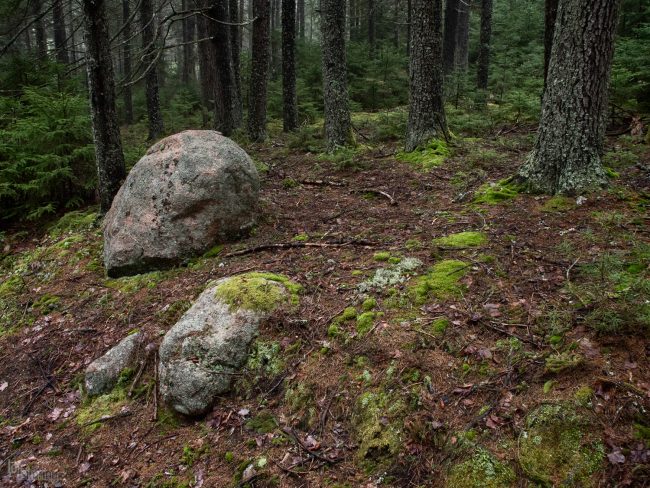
{"type": "Point", "coordinates": [567, 155]}
{"type": "Point", "coordinates": [484, 44]}
{"type": "Point", "coordinates": [72, 45]}
{"type": "Point", "coordinates": [396, 28]}
{"type": "Point", "coordinates": [188, 71]}
{"type": "Point", "coordinates": [462, 35]}
{"type": "Point", "coordinates": [301, 19]}
{"type": "Point", "coordinates": [289, 98]}
{"type": "Point", "coordinates": [550, 8]}
{"type": "Point", "coordinates": [409, 18]}
{"type": "Point", "coordinates": [148, 26]}
{"type": "Point", "coordinates": [39, 31]}
{"type": "Point", "coordinates": [450, 33]}
{"type": "Point", "coordinates": [235, 50]}
{"type": "Point", "coordinates": [60, 36]}
{"type": "Point", "coordinates": [426, 109]}
{"type": "Point", "coordinates": [259, 70]}
{"type": "Point", "coordinates": [372, 27]}
{"type": "Point", "coordinates": [127, 93]}
{"type": "Point", "coordinates": [338, 126]}
{"type": "Point", "coordinates": [106, 131]}
{"type": "Point", "coordinates": [225, 100]}
{"type": "Point", "coordinates": [207, 62]}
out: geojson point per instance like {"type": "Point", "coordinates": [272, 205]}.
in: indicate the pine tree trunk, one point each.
{"type": "Point", "coordinates": [338, 126]}
{"type": "Point", "coordinates": [127, 93]}
{"type": "Point", "coordinates": [188, 71]}
{"type": "Point", "coordinates": [106, 131]}
{"type": "Point", "coordinates": [450, 33]}
{"type": "Point", "coordinates": [39, 31]}
{"type": "Point", "coordinates": [462, 35]}
{"type": "Point", "coordinates": [72, 45]}
{"type": "Point", "coordinates": [409, 18]}
{"type": "Point", "coordinates": [567, 155]}
{"type": "Point", "coordinates": [484, 45]}
{"type": "Point", "coordinates": [372, 27]}
{"type": "Point", "coordinates": [426, 110]}
{"type": "Point", "coordinates": [397, 7]}
{"type": "Point", "coordinates": [208, 75]}
{"type": "Point", "coordinates": [301, 19]}
{"type": "Point", "coordinates": [60, 36]}
{"type": "Point", "coordinates": [259, 70]}
{"type": "Point", "coordinates": [550, 8]}
{"type": "Point", "coordinates": [148, 26]}
{"type": "Point", "coordinates": [235, 50]}
{"type": "Point", "coordinates": [290, 101]}
{"type": "Point", "coordinates": [224, 114]}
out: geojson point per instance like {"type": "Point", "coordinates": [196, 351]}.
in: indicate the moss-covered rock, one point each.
{"type": "Point", "coordinates": [259, 292]}
{"type": "Point", "coordinates": [377, 420]}
{"type": "Point", "coordinates": [559, 447]}
{"type": "Point", "coordinates": [442, 281]}
{"type": "Point", "coordinates": [482, 470]}
{"type": "Point", "coordinates": [462, 239]}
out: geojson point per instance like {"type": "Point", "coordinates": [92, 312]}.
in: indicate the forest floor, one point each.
{"type": "Point", "coordinates": [434, 381]}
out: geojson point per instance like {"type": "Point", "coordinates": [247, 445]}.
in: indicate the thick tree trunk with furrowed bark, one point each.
{"type": "Point", "coordinates": [106, 130]}
{"type": "Point", "coordinates": [484, 44]}
{"type": "Point", "coordinates": [567, 155]}
{"type": "Point", "coordinates": [426, 110]}
{"type": "Point", "coordinates": [225, 119]}
{"type": "Point", "coordinates": [290, 101]}
{"type": "Point", "coordinates": [338, 125]}
{"type": "Point", "coordinates": [259, 70]}
{"type": "Point", "coordinates": [148, 26]}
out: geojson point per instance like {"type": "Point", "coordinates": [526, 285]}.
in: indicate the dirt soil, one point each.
{"type": "Point", "coordinates": [517, 287]}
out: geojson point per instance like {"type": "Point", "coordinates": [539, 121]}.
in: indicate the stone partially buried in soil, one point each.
{"type": "Point", "coordinates": [103, 373]}
{"type": "Point", "coordinates": [211, 342]}
{"type": "Point", "coordinates": [188, 193]}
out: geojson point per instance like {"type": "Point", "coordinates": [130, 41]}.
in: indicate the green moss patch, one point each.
{"type": "Point", "coordinates": [76, 221]}
{"type": "Point", "coordinates": [377, 419]}
{"type": "Point", "coordinates": [263, 423]}
{"type": "Point", "coordinates": [462, 239]}
{"type": "Point", "coordinates": [427, 157]}
{"type": "Point", "coordinates": [558, 204]}
{"type": "Point", "coordinates": [133, 284]}
{"type": "Point", "coordinates": [442, 281]}
{"type": "Point", "coordinates": [482, 470]}
{"type": "Point", "coordinates": [495, 193]}
{"type": "Point", "coordinates": [260, 292]}
{"type": "Point", "coordinates": [558, 447]}
{"type": "Point", "coordinates": [90, 414]}
{"type": "Point", "coordinates": [366, 321]}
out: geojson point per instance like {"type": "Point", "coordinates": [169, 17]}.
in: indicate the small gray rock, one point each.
{"type": "Point", "coordinates": [199, 354]}
{"type": "Point", "coordinates": [190, 192]}
{"type": "Point", "coordinates": [102, 374]}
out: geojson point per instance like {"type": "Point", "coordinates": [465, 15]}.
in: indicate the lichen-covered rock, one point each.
{"type": "Point", "coordinates": [103, 373]}
{"type": "Point", "coordinates": [559, 447]}
{"type": "Point", "coordinates": [190, 192]}
{"type": "Point", "coordinates": [211, 341]}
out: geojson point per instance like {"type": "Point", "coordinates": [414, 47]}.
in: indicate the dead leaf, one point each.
{"type": "Point", "coordinates": [4, 386]}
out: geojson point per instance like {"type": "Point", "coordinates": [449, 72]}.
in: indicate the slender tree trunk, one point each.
{"type": "Point", "coordinates": [39, 31]}
{"type": "Point", "coordinates": [550, 8]}
{"type": "Point", "coordinates": [290, 101]}
{"type": "Point", "coordinates": [235, 50]}
{"type": "Point", "coordinates": [301, 19]}
{"type": "Point", "coordinates": [188, 70]}
{"type": "Point", "coordinates": [462, 35]}
{"type": "Point", "coordinates": [106, 131]}
{"type": "Point", "coordinates": [396, 28]}
{"type": "Point", "coordinates": [72, 47]}
{"type": "Point", "coordinates": [409, 18]}
{"type": "Point", "coordinates": [207, 62]}
{"type": "Point", "coordinates": [259, 70]}
{"type": "Point", "coordinates": [372, 27]}
{"type": "Point", "coordinates": [127, 93]}
{"type": "Point", "coordinates": [224, 102]}
{"type": "Point", "coordinates": [148, 26]}
{"type": "Point", "coordinates": [484, 44]}
{"type": "Point", "coordinates": [450, 33]}
{"type": "Point", "coordinates": [60, 36]}
{"type": "Point", "coordinates": [426, 110]}
{"type": "Point", "coordinates": [338, 126]}
{"type": "Point", "coordinates": [567, 155]}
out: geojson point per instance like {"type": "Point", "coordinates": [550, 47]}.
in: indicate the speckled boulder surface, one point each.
{"type": "Point", "coordinates": [103, 373]}
{"type": "Point", "coordinates": [211, 341]}
{"type": "Point", "coordinates": [190, 192]}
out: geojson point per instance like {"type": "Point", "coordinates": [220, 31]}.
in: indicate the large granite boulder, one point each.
{"type": "Point", "coordinates": [104, 372]}
{"type": "Point", "coordinates": [199, 354]}
{"type": "Point", "coordinates": [190, 192]}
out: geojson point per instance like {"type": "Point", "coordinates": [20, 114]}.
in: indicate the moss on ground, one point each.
{"type": "Point", "coordinates": [494, 193]}
{"type": "Point", "coordinates": [299, 399]}
{"type": "Point", "coordinates": [558, 204]}
{"type": "Point", "coordinates": [260, 292]}
{"type": "Point", "coordinates": [365, 322]}
{"type": "Point", "coordinates": [442, 281]}
{"type": "Point", "coordinates": [559, 447]}
{"type": "Point", "coordinates": [133, 284]}
{"type": "Point", "coordinates": [427, 157]}
{"type": "Point", "coordinates": [94, 409]}
{"type": "Point", "coordinates": [77, 221]}
{"type": "Point", "coordinates": [482, 470]}
{"type": "Point", "coordinates": [263, 423]}
{"type": "Point", "coordinates": [562, 361]}
{"type": "Point", "coordinates": [377, 421]}
{"type": "Point", "coordinates": [462, 239]}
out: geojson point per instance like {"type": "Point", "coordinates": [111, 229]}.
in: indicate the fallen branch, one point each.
{"type": "Point", "coordinates": [107, 418]}
{"type": "Point", "coordinates": [292, 435]}
{"type": "Point", "coordinates": [377, 192]}
{"type": "Point", "coordinates": [511, 334]}
{"type": "Point", "coordinates": [321, 183]}
{"type": "Point", "coordinates": [296, 245]}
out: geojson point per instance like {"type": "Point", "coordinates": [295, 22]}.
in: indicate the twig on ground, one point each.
{"type": "Point", "coordinates": [297, 245]}
{"type": "Point", "coordinates": [107, 418]}
{"type": "Point", "coordinates": [292, 435]}
{"type": "Point", "coordinates": [154, 417]}
{"type": "Point", "coordinates": [377, 192]}
{"type": "Point", "coordinates": [511, 334]}
{"type": "Point", "coordinates": [322, 183]}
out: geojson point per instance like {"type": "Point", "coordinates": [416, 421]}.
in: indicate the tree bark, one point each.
{"type": "Point", "coordinates": [235, 50]}
{"type": "Point", "coordinates": [148, 27]}
{"type": "Point", "coordinates": [39, 31]}
{"type": "Point", "coordinates": [484, 45]}
{"type": "Point", "coordinates": [450, 34]}
{"type": "Point", "coordinates": [290, 100]}
{"type": "Point", "coordinates": [207, 62]}
{"type": "Point", "coordinates": [60, 36]}
{"type": "Point", "coordinates": [259, 70]}
{"type": "Point", "coordinates": [372, 27]}
{"type": "Point", "coordinates": [409, 18]}
{"type": "Point", "coordinates": [106, 131]}
{"type": "Point", "coordinates": [427, 118]}
{"type": "Point", "coordinates": [550, 7]}
{"type": "Point", "coordinates": [301, 19]}
{"type": "Point", "coordinates": [462, 35]}
{"type": "Point", "coordinates": [188, 70]}
{"type": "Point", "coordinates": [225, 95]}
{"type": "Point", "coordinates": [567, 155]}
{"type": "Point", "coordinates": [127, 93]}
{"type": "Point", "coordinates": [338, 126]}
